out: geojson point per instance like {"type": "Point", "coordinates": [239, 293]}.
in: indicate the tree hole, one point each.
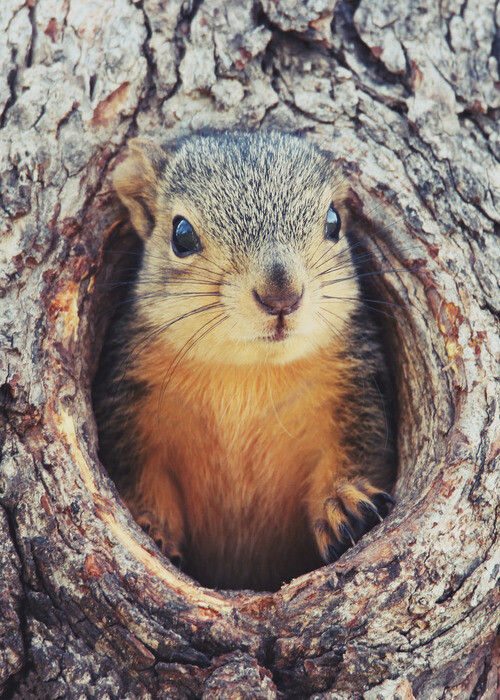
{"type": "Point", "coordinates": [384, 270]}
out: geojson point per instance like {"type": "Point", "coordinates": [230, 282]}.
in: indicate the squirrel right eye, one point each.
{"type": "Point", "coordinates": [184, 239]}
{"type": "Point", "coordinates": [332, 224]}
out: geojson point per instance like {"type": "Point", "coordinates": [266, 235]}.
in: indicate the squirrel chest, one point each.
{"type": "Point", "coordinates": [244, 445]}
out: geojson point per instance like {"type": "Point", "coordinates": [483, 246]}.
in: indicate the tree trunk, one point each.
{"type": "Point", "coordinates": [407, 96]}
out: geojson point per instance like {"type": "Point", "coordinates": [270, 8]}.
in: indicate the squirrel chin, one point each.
{"type": "Point", "coordinates": [265, 351]}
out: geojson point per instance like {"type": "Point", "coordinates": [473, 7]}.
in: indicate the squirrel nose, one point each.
{"type": "Point", "coordinates": [282, 303]}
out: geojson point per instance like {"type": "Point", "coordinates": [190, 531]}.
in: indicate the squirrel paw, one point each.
{"type": "Point", "coordinates": [353, 508]}
{"type": "Point", "coordinates": [159, 534]}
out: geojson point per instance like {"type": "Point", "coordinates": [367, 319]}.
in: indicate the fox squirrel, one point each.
{"type": "Point", "coordinates": [236, 402]}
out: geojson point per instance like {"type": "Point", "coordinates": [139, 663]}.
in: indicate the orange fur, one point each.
{"type": "Point", "coordinates": [236, 451]}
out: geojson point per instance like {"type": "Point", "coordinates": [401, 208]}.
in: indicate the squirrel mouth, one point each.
{"type": "Point", "coordinates": [279, 332]}
{"type": "Point", "coordinates": [275, 337]}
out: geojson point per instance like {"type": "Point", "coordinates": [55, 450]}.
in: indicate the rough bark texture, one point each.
{"type": "Point", "coordinates": [407, 96]}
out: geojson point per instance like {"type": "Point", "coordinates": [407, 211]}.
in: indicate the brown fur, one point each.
{"type": "Point", "coordinates": [242, 456]}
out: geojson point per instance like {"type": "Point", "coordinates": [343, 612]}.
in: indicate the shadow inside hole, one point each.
{"type": "Point", "coordinates": [389, 284]}
{"type": "Point", "coordinates": [121, 262]}
{"type": "Point", "coordinates": [382, 309]}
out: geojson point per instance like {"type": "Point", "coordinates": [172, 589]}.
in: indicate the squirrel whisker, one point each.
{"type": "Point", "coordinates": [365, 215]}
{"type": "Point", "coordinates": [345, 257]}
{"type": "Point", "coordinates": [363, 274]}
{"type": "Point", "coordinates": [204, 257]}
{"type": "Point", "coordinates": [331, 325]}
{"type": "Point", "coordinates": [195, 294]}
{"type": "Point", "coordinates": [335, 330]}
{"type": "Point", "coordinates": [123, 302]}
{"type": "Point", "coordinates": [157, 331]}
{"type": "Point", "coordinates": [188, 345]}
{"type": "Point", "coordinates": [366, 305]}
{"type": "Point", "coordinates": [374, 301]}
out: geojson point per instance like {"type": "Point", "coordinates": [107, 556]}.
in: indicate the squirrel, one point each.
{"type": "Point", "coordinates": [237, 401]}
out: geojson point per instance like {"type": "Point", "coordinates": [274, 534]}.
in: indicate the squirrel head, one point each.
{"type": "Point", "coordinates": [245, 256]}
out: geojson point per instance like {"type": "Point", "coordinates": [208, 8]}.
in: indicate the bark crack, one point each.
{"type": "Point", "coordinates": [11, 82]}
{"type": "Point", "coordinates": [480, 687]}
{"type": "Point", "coordinates": [21, 611]}
{"type": "Point", "coordinates": [32, 20]}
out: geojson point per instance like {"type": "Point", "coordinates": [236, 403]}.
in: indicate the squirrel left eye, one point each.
{"type": "Point", "coordinates": [184, 239]}
{"type": "Point", "coordinates": [332, 224]}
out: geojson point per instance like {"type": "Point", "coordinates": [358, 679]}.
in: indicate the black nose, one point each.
{"type": "Point", "coordinates": [283, 302]}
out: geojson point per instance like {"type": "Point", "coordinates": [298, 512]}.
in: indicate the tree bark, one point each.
{"type": "Point", "coordinates": [406, 95]}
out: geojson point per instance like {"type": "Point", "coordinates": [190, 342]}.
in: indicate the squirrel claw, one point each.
{"type": "Point", "coordinates": [151, 526]}
{"type": "Point", "coordinates": [177, 560]}
{"type": "Point", "coordinates": [383, 503]}
{"type": "Point", "coordinates": [352, 511]}
{"type": "Point", "coordinates": [332, 555]}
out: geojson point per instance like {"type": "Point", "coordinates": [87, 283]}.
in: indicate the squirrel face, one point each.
{"type": "Point", "coordinates": [245, 260]}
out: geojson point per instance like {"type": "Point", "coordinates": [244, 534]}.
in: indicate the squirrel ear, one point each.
{"type": "Point", "coordinates": [136, 179]}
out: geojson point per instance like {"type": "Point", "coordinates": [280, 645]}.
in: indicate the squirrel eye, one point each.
{"type": "Point", "coordinates": [332, 224]}
{"type": "Point", "coordinates": [184, 239]}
